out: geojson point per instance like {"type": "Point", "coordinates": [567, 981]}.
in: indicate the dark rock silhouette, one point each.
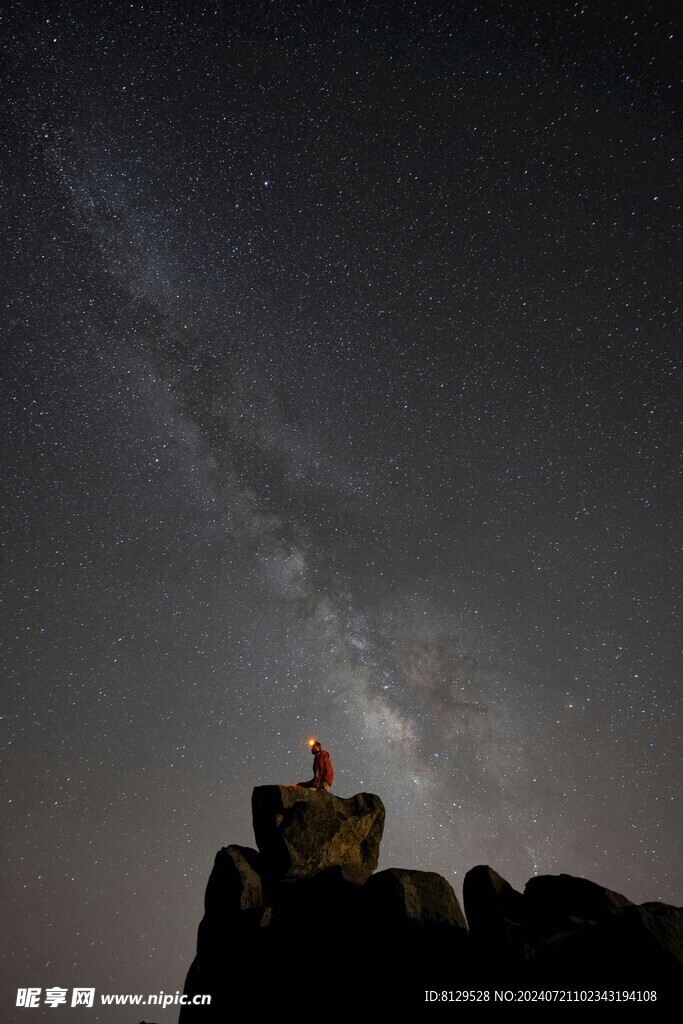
{"type": "Point", "coordinates": [555, 903]}
{"type": "Point", "coordinates": [235, 884]}
{"type": "Point", "coordinates": [421, 898]}
{"type": "Point", "coordinates": [578, 928]}
{"type": "Point", "coordinates": [301, 831]}
{"type": "Point", "coordinates": [565, 928]}
{"type": "Point", "coordinates": [304, 920]}
{"type": "Point", "coordinates": [636, 947]}
{"type": "Point", "coordinates": [495, 914]}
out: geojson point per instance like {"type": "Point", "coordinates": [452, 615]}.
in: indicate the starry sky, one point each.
{"type": "Point", "coordinates": [339, 358]}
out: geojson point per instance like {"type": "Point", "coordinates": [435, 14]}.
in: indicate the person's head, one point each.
{"type": "Point", "coordinates": [315, 746]}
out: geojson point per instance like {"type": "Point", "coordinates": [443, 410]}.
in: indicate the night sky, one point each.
{"type": "Point", "coordinates": [339, 353]}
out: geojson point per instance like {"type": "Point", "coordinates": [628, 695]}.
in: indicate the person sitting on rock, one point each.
{"type": "Point", "coordinates": [323, 772]}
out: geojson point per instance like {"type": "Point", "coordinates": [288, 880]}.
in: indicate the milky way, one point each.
{"type": "Point", "coordinates": [340, 355]}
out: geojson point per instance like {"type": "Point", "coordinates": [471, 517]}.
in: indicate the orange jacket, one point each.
{"type": "Point", "coordinates": [322, 768]}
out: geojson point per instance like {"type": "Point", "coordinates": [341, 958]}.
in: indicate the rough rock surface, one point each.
{"type": "Point", "coordinates": [236, 882]}
{"type": "Point", "coordinates": [401, 896]}
{"type": "Point", "coordinates": [300, 831]}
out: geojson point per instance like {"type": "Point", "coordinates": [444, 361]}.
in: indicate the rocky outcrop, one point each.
{"type": "Point", "coordinates": [301, 831]}
{"type": "Point", "coordinates": [564, 928]}
{"type": "Point", "coordinates": [577, 928]}
{"type": "Point", "coordinates": [306, 908]}
{"type": "Point", "coordinates": [305, 922]}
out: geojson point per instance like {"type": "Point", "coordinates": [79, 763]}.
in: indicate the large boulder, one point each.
{"type": "Point", "coordinates": [412, 920]}
{"type": "Point", "coordinates": [236, 883]}
{"type": "Point", "coordinates": [235, 903]}
{"type": "Point", "coordinates": [492, 906]}
{"type": "Point", "coordinates": [562, 903]}
{"type": "Point", "coordinates": [301, 831]}
{"type": "Point", "coordinates": [399, 896]}
{"type": "Point", "coordinates": [495, 915]}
